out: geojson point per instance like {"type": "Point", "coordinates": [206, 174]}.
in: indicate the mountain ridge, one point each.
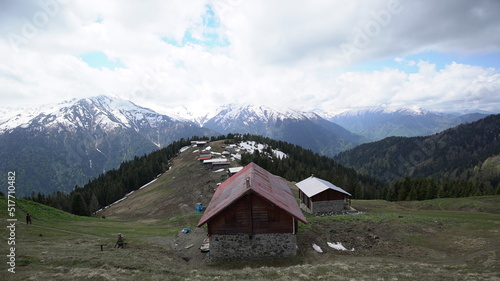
{"type": "Point", "coordinates": [13, 117]}
{"type": "Point", "coordinates": [380, 122]}
{"type": "Point", "coordinates": [469, 151]}
{"type": "Point", "coordinates": [67, 144]}
{"type": "Point", "coordinates": [308, 130]}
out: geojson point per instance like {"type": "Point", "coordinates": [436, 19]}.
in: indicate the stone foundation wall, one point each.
{"type": "Point", "coordinates": [333, 206]}
{"type": "Point", "coordinates": [305, 208]}
{"type": "Point", "coordinates": [260, 245]}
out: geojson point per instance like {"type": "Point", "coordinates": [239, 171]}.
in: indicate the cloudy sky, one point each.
{"type": "Point", "coordinates": [307, 55]}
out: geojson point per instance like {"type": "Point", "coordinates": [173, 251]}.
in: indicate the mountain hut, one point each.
{"type": "Point", "coordinates": [253, 214]}
{"type": "Point", "coordinates": [319, 196]}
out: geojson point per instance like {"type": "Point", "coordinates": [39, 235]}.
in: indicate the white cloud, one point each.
{"type": "Point", "coordinates": [277, 53]}
{"type": "Point", "coordinates": [457, 87]}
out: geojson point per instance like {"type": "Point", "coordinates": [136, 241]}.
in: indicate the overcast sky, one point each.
{"type": "Point", "coordinates": [307, 55]}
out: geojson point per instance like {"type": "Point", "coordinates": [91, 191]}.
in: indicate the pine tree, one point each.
{"type": "Point", "coordinates": [94, 204]}
{"type": "Point", "coordinates": [412, 195]}
{"type": "Point", "coordinates": [404, 189]}
{"type": "Point", "coordinates": [78, 205]}
{"type": "Point", "coordinates": [431, 190]}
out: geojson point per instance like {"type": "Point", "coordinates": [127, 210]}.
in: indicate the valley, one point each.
{"type": "Point", "coordinates": [56, 147]}
{"type": "Point", "coordinates": [250, 140]}
{"type": "Point", "coordinates": [440, 239]}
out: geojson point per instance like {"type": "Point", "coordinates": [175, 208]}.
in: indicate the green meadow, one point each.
{"type": "Point", "coordinates": [441, 239]}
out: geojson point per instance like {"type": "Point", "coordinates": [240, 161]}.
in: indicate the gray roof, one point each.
{"type": "Point", "coordinates": [312, 186]}
{"type": "Point", "coordinates": [235, 169]}
{"type": "Point", "coordinates": [215, 160]}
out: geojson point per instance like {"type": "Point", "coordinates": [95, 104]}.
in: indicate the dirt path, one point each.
{"type": "Point", "coordinates": [185, 246]}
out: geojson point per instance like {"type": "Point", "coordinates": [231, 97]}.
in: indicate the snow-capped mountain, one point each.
{"type": "Point", "coordinates": [379, 122]}
{"type": "Point", "coordinates": [181, 113]}
{"type": "Point", "coordinates": [404, 110]}
{"type": "Point", "coordinates": [62, 145]}
{"type": "Point", "coordinates": [94, 113]}
{"type": "Point", "coordinates": [55, 147]}
{"type": "Point", "coordinates": [308, 130]}
{"type": "Point", "coordinates": [253, 118]}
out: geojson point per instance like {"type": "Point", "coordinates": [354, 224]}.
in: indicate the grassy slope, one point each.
{"type": "Point", "coordinates": [438, 239]}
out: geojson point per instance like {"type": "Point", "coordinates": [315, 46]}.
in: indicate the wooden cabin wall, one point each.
{"type": "Point", "coordinates": [265, 218]}
{"type": "Point", "coordinates": [232, 220]}
{"type": "Point", "coordinates": [328, 195]}
{"type": "Point", "coordinates": [268, 218]}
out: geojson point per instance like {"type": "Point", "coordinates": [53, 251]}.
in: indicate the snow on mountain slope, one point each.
{"type": "Point", "coordinates": [14, 117]}
{"type": "Point", "coordinates": [57, 146]}
{"type": "Point", "coordinates": [308, 130]}
{"type": "Point", "coordinates": [181, 113]}
{"type": "Point", "coordinates": [251, 146]}
{"type": "Point", "coordinates": [380, 122]}
{"type": "Point", "coordinates": [403, 110]}
{"type": "Point", "coordinates": [100, 111]}
{"type": "Point", "coordinates": [249, 115]}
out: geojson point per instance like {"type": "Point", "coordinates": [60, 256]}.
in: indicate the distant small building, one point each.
{"type": "Point", "coordinates": [200, 143]}
{"type": "Point", "coordinates": [253, 214]}
{"type": "Point", "coordinates": [320, 196]}
{"type": "Point", "coordinates": [234, 170]}
{"type": "Point", "coordinates": [205, 156]}
{"type": "Point", "coordinates": [216, 163]}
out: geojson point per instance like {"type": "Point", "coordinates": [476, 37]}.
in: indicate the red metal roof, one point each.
{"type": "Point", "coordinates": [265, 184]}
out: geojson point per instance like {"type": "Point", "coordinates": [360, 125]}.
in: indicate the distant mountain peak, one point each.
{"type": "Point", "coordinates": [102, 111]}
{"type": "Point", "coordinates": [81, 138]}
{"type": "Point", "coordinates": [403, 110]}
{"type": "Point", "coordinates": [376, 123]}
{"type": "Point", "coordinates": [253, 113]}
{"type": "Point", "coordinates": [306, 129]}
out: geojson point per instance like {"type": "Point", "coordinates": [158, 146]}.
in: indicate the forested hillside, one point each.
{"type": "Point", "coordinates": [468, 153]}
{"type": "Point", "coordinates": [458, 162]}
{"type": "Point", "coordinates": [299, 164]}
{"type": "Point", "coordinates": [114, 184]}
{"type": "Point", "coordinates": [57, 146]}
